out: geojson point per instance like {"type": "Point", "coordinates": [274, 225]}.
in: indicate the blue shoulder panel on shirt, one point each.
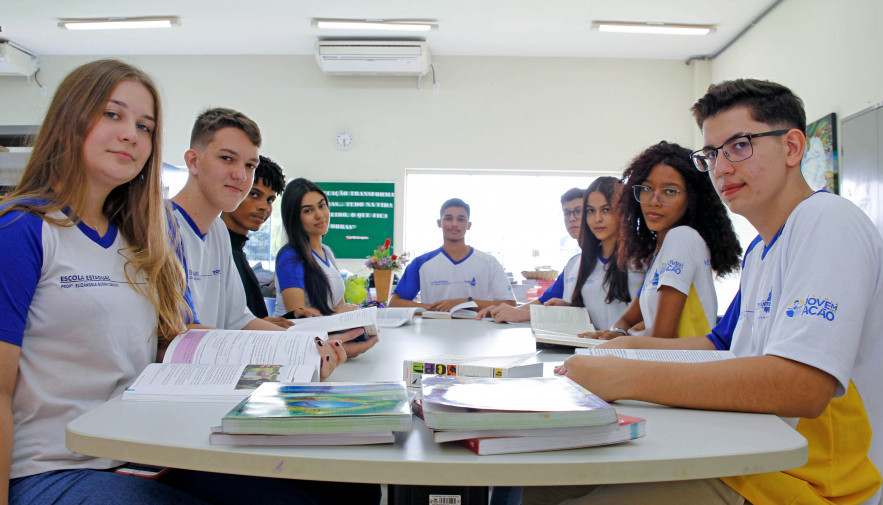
{"type": "Point", "coordinates": [722, 334]}
{"type": "Point", "coordinates": [289, 268]}
{"type": "Point", "coordinates": [409, 285]}
{"type": "Point", "coordinates": [20, 268]}
{"type": "Point", "coordinates": [556, 290]}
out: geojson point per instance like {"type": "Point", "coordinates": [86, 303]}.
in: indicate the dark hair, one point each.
{"type": "Point", "coordinates": [316, 283]}
{"type": "Point", "coordinates": [615, 278]}
{"type": "Point", "coordinates": [705, 212]}
{"type": "Point", "coordinates": [769, 102]}
{"type": "Point", "coordinates": [453, 202]}
{"type": "Point", "coordinates": [212, 120]}
{"type": "Point", "coordinates": [270, 174]}
{"type": "Point", "coordinates": [572, 194]}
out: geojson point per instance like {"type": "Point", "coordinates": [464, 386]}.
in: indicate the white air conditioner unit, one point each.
{"type": "Point", "coordinates": [372, 57]}
{"type": "Point", "coordinates": [15, 60]}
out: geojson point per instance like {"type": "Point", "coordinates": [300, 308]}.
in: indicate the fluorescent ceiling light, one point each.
{"type": "Point", "coordinates": [119, 23]}
{"type": "Point", "coordinates": [652, 28]}
{"type": "Point", "coordinates": [398, 25]}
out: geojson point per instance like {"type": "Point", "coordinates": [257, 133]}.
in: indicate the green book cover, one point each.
{"type": "Point", "coordinates": [289, 408]}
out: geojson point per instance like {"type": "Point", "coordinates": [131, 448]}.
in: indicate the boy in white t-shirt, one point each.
{"type": "Point", "coordinates": [805, 324]}
{"type": "Point", "coordinates": [221, 160]}
{"type": "Point", "coordinates": [454, 273]}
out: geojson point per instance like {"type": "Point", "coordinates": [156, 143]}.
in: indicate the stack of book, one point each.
{"type": "Point", "coordinates": [329, 413]}
{"type": "Point", "coordinates": [501, 416]}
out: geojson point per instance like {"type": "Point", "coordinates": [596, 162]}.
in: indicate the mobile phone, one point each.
{"type": "Point", "coordinates": [145, 471]}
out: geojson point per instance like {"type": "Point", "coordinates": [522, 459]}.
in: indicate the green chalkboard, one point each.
{"type": "Point", "coordinates": [362, 217]}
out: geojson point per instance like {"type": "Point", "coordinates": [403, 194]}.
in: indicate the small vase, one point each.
{"type": "Point", "coordinates": [383, 284]}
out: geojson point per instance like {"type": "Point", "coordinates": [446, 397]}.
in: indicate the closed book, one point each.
{"type": "Point", "coordinates": [522, 365]}
{"type": "Point", "coordinates": [458, 403]}
{"type": "Point", "coordinates": [628, 428]}
{"type": "Point", "coordinates": [373, 437]}
{"type": "Point", "coordinates": [328, 407]}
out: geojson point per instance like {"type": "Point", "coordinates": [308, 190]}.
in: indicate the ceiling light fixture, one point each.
{"type": "Point", "coordinates": [652, 28]}
{"type": "Point", "coordinates": [398, 25]}
{"type": "Point", "coordinates": [119, 23]}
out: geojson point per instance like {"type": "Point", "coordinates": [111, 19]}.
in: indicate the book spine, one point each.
{"type": "Point", "coordinates": [473, 444]}
{"type": "Point", "coordinates": [414, 371]}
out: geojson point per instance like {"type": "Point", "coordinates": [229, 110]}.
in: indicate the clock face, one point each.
{"type": "Point", "coordinates": [343, 140]}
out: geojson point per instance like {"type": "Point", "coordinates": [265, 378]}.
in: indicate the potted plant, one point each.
{"type": "Point", "coordinates": [383, 262]}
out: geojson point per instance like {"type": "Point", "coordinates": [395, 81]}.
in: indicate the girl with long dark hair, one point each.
{"type": "Point", "coordinates": [308, 282]}
{"type": "Point", "coordinates": [676, 228]}
{"type": "Point", "coordinates": [592, 279]}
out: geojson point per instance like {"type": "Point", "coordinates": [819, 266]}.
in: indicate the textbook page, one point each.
{"type": "Point", "coordinates": [185, 382]}
{"type": "Point", "coordinates": [361, 318]}
{"type": "Point", "coordinates": [560, 319]}
{"type": "Point", "coordinates": [244, 347]}
{"type": "Point", "coordinates": [459, 311]}
{"type": "Point", "coordinates": [669, 355]}
{"type": "Point", "coordinates": [393, 317]}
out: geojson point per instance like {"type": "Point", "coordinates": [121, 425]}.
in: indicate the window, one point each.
{"type": "Point", "coordinates": [515, 217]}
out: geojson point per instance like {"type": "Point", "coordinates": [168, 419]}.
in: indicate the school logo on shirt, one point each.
{"type": "Point", "coordinates": [194, 275]}
{"type": "Point", "coordinates": [674, 266]}
{"type": "Point", "coordinates": [764, 305]}
{"type": "Point", "coordinates": [655, 281]}
{"type": "Point", "coordinates": [812, 306]}
{"type": "Point", "coordinates": [87, 281]}
{"type": "Point", "coordinates": [471, 283]}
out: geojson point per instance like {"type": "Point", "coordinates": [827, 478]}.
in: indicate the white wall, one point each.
{"type": "Point", "coordinates": [827, 52]}
{"type": "Point", "coordinates": [562, 114]}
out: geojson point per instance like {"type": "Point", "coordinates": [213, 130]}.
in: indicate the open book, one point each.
{"type": "Point", "coordinates": [670, 355]}
{"type": "Point", "coordinates": [459, 311]}
{"type": "Point", "coordinates": [226, 365]}
{"type": "Point", "coordinates": [360, 318]}
{"type": "Point", "coordinates": [560, 325]}
{"type": "Point", "coordinates": [393, 317]}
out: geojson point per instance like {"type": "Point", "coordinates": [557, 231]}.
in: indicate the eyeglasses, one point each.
{"type": "Point", "coordinates": [666, 196]}
{"type": "Point", "coordinates": [737, 149]}
{"type": "Point", "coordinates": [577, 213]}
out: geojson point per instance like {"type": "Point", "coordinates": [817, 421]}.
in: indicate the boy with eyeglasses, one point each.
{"type": "Point", "coordinates": [572, 209]}
{"type": "Point", "coordinates": [805, 324]}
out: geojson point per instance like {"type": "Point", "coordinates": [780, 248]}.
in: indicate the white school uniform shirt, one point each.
{"type": "Point", "coordinates": [814, 295]}
{"type": "Point", "coordinates": [85, 333]}
{"type": "Point", "coordinates": [438, 277]}
{"type": "Point", "coordinates": [603, 314]}
{"type": "Point", "coordinates": [684, 263]}
{"type": "Point", "coordinates": [290, 274]}
{"type": "Point", "coordinates": [214, 282]}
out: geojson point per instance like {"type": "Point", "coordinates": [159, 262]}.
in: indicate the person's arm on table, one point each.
{"type": "Point", "coordinates": [505, 313]}
{"type": "Point", "coordinates": [279, 321]}
{"type": "Point", "coordinates": [446, 305]}
{"type": "Point", "coordinates": [630, 318]}
{"type": "Point", "coordinates": [345, 306]}
{"type": "Point", "coordinates": [295, 300]}
{"type": "Point", "coordinates": [9, 354]}
{"type": "Point", "coordinates": [764, 384]}
{"type": "Point", "coordinates": [260, 324]}
{"type": "Point", "coordinates": [558, 302]}
{"type": "Point", "coordinates": [398, 301]}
